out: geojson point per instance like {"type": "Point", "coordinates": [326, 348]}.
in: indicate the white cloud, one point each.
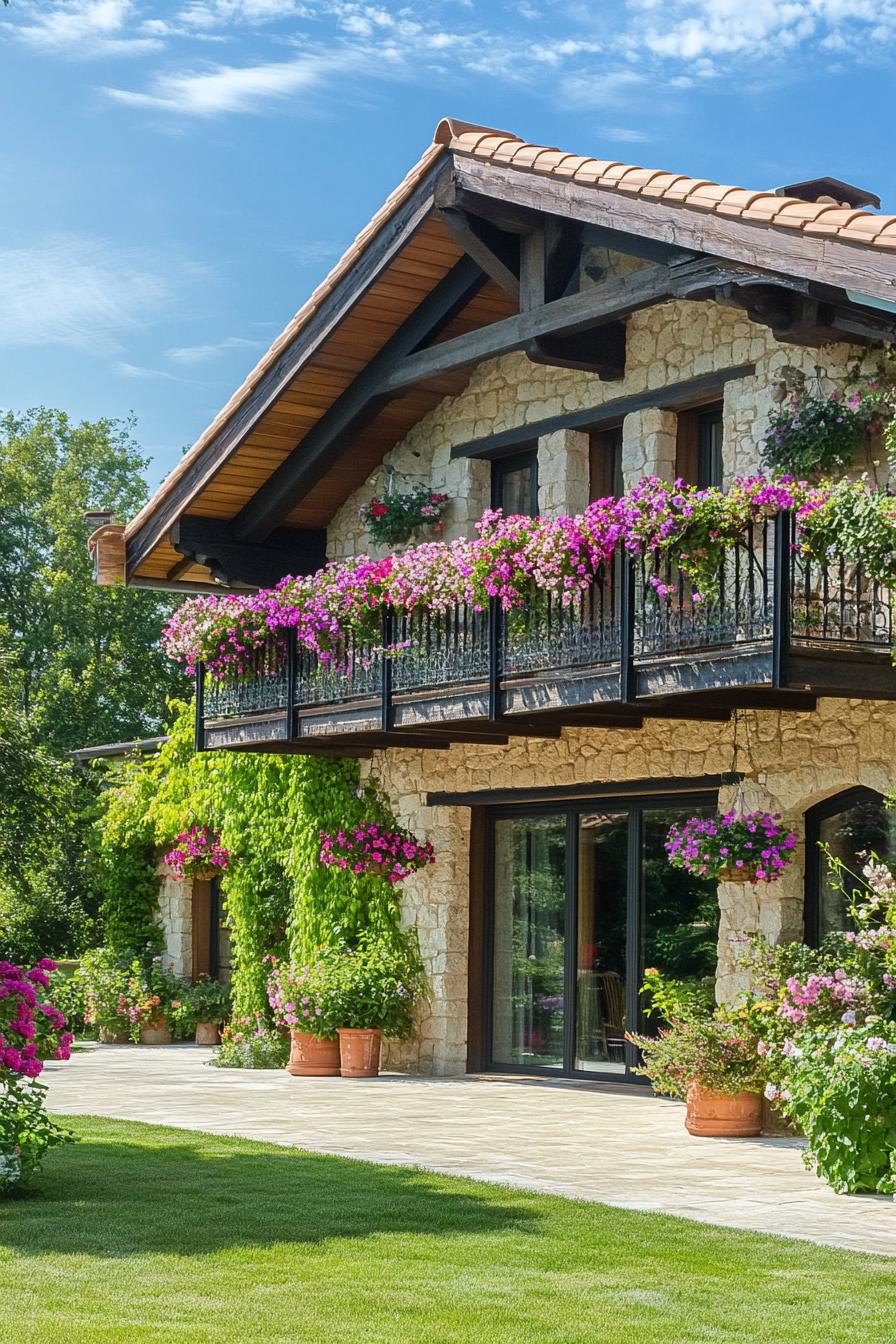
{"type": "Point", "coordinates": [685, 30]}
{"type": "Point", "coordinates": [84, 28]}
{"type": "Point", "coordinates": [76, 291]}
{"type": "Point", "coordinates": [126, 370]}
{"type": "Point", "coordinates": [229, 88]}
{"type": "Point", "coordinates": [200, 354]}
{"type": "Point", "coordinates": [625, 135]}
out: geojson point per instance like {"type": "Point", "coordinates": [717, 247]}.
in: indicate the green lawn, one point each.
{"type": "Point", "coordinates": [139, 1233]}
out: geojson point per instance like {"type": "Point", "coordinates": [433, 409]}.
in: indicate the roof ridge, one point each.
{"type": "Point", "coordinates": [761, 206]}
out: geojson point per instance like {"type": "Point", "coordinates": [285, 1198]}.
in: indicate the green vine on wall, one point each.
{"type": "Point", "coordinates": [269, 811]}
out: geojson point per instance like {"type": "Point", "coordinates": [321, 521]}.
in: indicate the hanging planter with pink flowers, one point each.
{"type": "Point", "coordinates": [199, 854]}
{"type": "Point", "coordinates": [370, 848]}
{"type": "Point", "coordinates": [735, 847]}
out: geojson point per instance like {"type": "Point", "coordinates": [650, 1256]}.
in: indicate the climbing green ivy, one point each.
{"type": "Point", "coordinates": [269, 811]}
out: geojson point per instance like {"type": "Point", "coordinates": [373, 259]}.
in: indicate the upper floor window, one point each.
{"type": "Point", "coordinates": [605, 463]}
{"type": "Point", "coordinates": [849, 825]}
{"type": "Point", "coordinates": [699, 449]}
{"type": "Point", "coordinates": [515, 483]}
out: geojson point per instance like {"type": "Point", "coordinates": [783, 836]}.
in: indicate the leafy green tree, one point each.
{"type": "Point", "coordinates": [45, 816]}
{"type": "Point", "coordinates": [88, 665]}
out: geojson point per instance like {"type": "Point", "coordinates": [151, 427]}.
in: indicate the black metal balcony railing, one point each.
{"type": "Point", "coordinates": [638, 615]}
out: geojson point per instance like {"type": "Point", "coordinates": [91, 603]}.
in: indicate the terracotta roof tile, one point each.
{"type": "Point", "coordinates": [661, 183]}
{"type": "Point", "coordinates": [757, 207]}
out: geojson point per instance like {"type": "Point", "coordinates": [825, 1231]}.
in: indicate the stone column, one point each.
{"type": "Point", "coordinates": [176, 918]}
{"type": "Point", "coordinates": [468, 480]}
{"type": "Point", "coordinates": [563, 472]}
{"type": "Point", "coordinates": [773, 909]}
{"type": "Point", "coordinates": [649, 445]}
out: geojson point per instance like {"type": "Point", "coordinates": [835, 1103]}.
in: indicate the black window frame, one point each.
{"type": "Point", "coordinates": [815, 815]}
{"type": "Point", "coordinates": [709, 473]}
{"type": "Point", "coordinates": [635, 805]}
{"type": "Point", "coordinates": [503, 466]}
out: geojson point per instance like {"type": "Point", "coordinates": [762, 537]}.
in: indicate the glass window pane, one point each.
{"type": "Point", "coordinates": [516, 491]}
{"type": "Point", "coordinates": [680, 926]}
{"type": "Point", "coordinates": [600, 961]}
{"type": "Point", "coordinates": [864, 827]}
{"type": "Point", "coordinates": [529, 939]}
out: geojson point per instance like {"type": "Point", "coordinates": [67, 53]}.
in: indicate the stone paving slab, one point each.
{"type": "Point", "coordinates": [614, 1145]}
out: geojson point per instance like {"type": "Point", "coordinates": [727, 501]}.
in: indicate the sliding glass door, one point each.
{"type": "Point", "coordinates": [582, 899]}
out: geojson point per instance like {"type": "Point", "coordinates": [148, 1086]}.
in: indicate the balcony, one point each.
{"type": "Point", "coordinates": [779, 630]}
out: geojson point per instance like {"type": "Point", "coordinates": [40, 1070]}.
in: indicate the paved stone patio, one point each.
{"type": "Point", "coordinates": [616, 1145]}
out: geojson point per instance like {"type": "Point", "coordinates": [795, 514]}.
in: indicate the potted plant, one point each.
{"type": "Point", "coordinates": [154, 996]}
{"type": "Point", "coordinates": [204, 1006]}
{"type": "Point", "coordinates": [707, 1058]}
{"type": "Point", "coordinates": [198, 854]}
{"type": "Point", "coordinates": [752, 847]}
{"type": "Point", "coordinates": [375, 985]}
{"type": "Point", "coordinates": [371, 848]}
{"type": "Point", "coordinates": [303, 1001]}
{"type": "Point", "coordinates": [393, 517]}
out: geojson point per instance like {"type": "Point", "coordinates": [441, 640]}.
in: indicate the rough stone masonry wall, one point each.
{"type": "Point", "coordinates": [791, 760]}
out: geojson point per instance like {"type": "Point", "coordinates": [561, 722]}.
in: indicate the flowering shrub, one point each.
{"type": "Point", "coordinates": [840, 1089]}
{"type": "Point", "coordinates": [825, 1019]}
{"type": "Point", "coordinates": [303, 998]}
{"type": "Point", "coordinates": [370, 848]}
{"type": "Point", "coordinates": [250, 1043]}
{"type": "Point", "coordinates": [393, 518]}
{"type": "Point", "coordinates": [31, 1031]}
{"type": "Point", "coordinates": [103, 978]}
{"type": "Point", "coordinates": [198, 853]}
{"type": "Point", "coordinates": [711, 1046]}
{"type": "Point", "coordinates": [731, 845]}
{"type": "Point", "coordinates": [511, 559]}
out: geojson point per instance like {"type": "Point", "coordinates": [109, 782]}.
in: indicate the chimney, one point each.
{"type": "Point", "coordinates": [830, 191]}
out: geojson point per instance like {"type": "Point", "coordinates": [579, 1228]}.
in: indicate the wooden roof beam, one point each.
{"type": "Point", "coordinates": [496, 253]}
{"type": "Point", "coordinates": [355, 408]}
{"type": "Point", "coordinates": [599, 304]}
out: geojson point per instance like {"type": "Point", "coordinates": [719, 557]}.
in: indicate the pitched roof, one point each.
{"type": "Point", "coordinates": [216, 475]}
{"type": "Point", "coordinates": [655, 184]}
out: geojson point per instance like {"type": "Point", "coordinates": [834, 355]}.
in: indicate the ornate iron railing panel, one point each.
{"type": "Point", "coordinates": [737, 607]}
{"type": "Point", "coordinates": [439, 648]}
{"type": "Point", "coordinates": [260, 687]}
{"type": "Point", "coordinates": [550, 633]}
{"type": "Point", "coordinates": [835, 601]}
{"type": "Point", "coordinates": [351, 672]}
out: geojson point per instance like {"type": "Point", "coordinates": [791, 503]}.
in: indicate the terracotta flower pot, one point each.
{"type": "Point", "coordinates": [732, 874]}
{"type": "Point", "coordinates": [156, 1032]}
{"type": "Point", "coordinates": [359, 1051]}
{"type": "Point", "coordinates": [311, 1057]}
{"type": "Point", "coordinates": [207, 1033]}
{"type": "Point", "coordinates": [717, 1115]}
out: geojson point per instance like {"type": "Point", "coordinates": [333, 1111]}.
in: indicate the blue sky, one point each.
{"type": "Point", "coordinates": [178, 176]}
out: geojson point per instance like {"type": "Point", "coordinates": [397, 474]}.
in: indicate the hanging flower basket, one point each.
{"type": "Point", "coordinates": [750, 847]}
{"type": "Point", "coordinates": [393, 518]}
{"type": "Point", "coordinates": [370, 848]}
{"type": "Point", "coordinates": [199, 855]}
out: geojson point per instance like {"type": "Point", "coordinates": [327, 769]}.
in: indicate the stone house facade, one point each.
{"type": "Point", "coordinates": [619, 323]}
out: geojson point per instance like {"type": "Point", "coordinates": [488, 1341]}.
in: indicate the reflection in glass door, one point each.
{"type": "Point", "coordinates": [583, 900]}
{"type": "Point", "coordinates": [528, 995]}
{"type": "Point", "coordinates": [601, 961]}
